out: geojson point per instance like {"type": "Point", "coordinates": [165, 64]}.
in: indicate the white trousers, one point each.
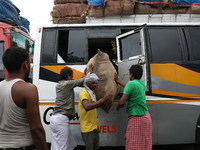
{"type": "Point", "coordinates": [62, 138]}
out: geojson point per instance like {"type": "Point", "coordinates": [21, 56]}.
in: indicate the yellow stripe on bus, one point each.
{"type": "Point", "coordinates": [175, 73]}
{"type": "Point", "coordinates": [175, 93]}
{"type": "Point", "coordinates": [172, 101]}
{"type": "Point", "coordinates": [51, 104]}
{"type": "Point", "coordinates": [148, 102]}
{"type": "Point", "coordinates": [56, 69]}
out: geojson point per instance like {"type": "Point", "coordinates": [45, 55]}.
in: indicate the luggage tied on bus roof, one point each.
{"type": "Point", "coordinates": [105, 70]}
{"type": "Point", "coordinates": [10, 14]}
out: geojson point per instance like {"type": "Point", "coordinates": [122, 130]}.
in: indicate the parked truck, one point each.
{"type": "Point", "coordinates": [13, 36]}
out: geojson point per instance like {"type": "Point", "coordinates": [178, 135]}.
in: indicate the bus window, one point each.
{"type": "Point", "coordinates": [2, 72]}
{"type": "Point", "coordinates": [165, 45]}
{"type": "Point", "coordinates": [48, 49]}
{"type": "Point", "coordinates": [103, 33]}
{"type": "Point", "coordinates": [126, 30]}
{"type": "Point", "coordinates": [130, 46]}
{"type": "Point", "coordinates": [192, 37]}
{"type": "Point", "coordinates": [72, 46]}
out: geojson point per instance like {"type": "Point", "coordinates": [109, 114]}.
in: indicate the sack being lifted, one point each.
{"type": "Point", "coordinates": [105, 70]}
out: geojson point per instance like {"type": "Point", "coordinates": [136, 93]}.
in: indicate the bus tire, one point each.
{"type": "Point", "coordinates": [197, 135]}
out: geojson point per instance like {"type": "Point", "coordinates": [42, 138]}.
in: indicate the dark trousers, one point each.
{"type": "Point", "coordinates": [91, 140]}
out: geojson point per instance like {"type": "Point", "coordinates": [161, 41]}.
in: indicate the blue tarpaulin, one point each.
{"type": "Point", "coordinates": [9, 13]}
{"type": "Point", "coordinates": [175, 2]}
{"type": "Point", "coordinates": [96, 3]}
{"type": "Point", "coordinates": [101, 3]}
{"type": "Point", "coordinates": [185, 2]}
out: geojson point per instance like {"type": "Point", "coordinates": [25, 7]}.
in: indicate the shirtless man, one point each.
{"type": "Point", "coordinates": [20, 124]}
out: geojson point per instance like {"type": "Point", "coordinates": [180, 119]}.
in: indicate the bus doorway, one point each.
{"type": "Point", "coordinates": [107, 45]}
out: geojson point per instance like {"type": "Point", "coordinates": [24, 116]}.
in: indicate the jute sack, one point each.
{"type": "Point", "coordinates": [95, 12]}
{"type": "Point", "coordinates": [68, 20]}
{"type": "Point", "coordinates": [68, 1]}
{"type": "Point", "coordinates": [105, 70]}
{"type": "Point", "coordinates": [118, 7]}
{"type": "Point", "coordinates": [68, 10]}
{"type": "Point", "coordinates": [194, 9]}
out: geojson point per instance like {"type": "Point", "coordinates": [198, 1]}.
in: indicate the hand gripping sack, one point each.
{"type": "Point", "coordinates": [105, 70]}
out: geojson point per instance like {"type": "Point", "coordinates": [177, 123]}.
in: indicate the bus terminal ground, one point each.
{"type": "Point", "coordinates": [155, 147]}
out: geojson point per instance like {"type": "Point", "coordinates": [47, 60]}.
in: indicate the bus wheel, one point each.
{"type": "Point", "coordinates": [47, 114]}
{"type": "Point", "coordinates": [197, 146]}
{"type": "Point", "coordinates": [197, 135]}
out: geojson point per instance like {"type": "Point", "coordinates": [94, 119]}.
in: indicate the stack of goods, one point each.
{"type": "Point", "coordinates": [9, 13]}
{"type": "Point", "coordinates": [129, 7]}
{"type": "Point", "coordinates": [112, 8]}
{"type": "Point", "coordinates": [69, 11]}
{"type": "Point", "coordinates": [158, 8]}
{"type": "Point", "coordinates": [167, 7]}
{"type": "Point", "coordinates": [75, 11]}
{"type": "Point", "coordinates": [194, 9]}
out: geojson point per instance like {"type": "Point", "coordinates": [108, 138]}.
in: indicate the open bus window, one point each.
{"type": "Point", "coordinates": [192, 37]}
{"type": "Point", "coordinates": [107, 45]}
{"type": "Point", "coordinates": [165, 45]}
{"type": "Point", "coordinates": [71, 46]}
{"type": "Point", "coordinates": [2, 72]}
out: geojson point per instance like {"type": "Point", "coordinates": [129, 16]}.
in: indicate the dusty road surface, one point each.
{"type": "Point", "coordinates": [160, 147]}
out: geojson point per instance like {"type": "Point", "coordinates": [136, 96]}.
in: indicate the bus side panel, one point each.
{"type": "Point", "coordinates": [112, 126]}
{"type": "Point", "coordinates": [175, 80]}
{"type": "Point", "coordinates": [177, 122]}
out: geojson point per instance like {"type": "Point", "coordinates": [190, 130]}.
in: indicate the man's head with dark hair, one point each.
{"type": "Point", "coordinates": [136, 71]}
{"type": "Point", "coordinates": [65, 73]}
{"type": "Point", "coordinates": [14, 57]}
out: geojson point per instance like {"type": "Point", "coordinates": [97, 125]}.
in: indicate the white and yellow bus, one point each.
{"type": "Point", "coordinates": [169, 53]}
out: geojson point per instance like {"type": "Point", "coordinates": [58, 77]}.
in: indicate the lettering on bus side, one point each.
{"type": "Point", "coordinates": [48, 112]}
{"type": "Point", "coordinates": [102, 128]}
{"type": "Point", "coordinates": [107, 129]}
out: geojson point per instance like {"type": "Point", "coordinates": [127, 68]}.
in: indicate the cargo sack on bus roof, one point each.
{"type": "Point", "coordinates": [68, 20]}
{"type": "Point", "coordinates": [68, 1]}
{"type": "Point", "coordinates": [68, 10]}
{"type": "Point", "coordinates": [118, 7]}
{"type": "Point", "coordinates": [194, 9]}
{"type": "Point", "coordinates": [112, 8]}
{"type": "Point", "coordinates": [105, 70]}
